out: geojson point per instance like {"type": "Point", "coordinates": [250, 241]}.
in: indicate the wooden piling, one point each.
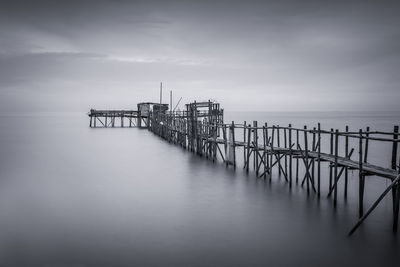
{"type": "Point", "coordinates": [279, 145]}
{"type": "Point", "coordinates": [285, 146]}
{"type": "Point", "coordinates": [336, 166]}
{"type": "Point", "coordinates": [330, 164]}
{"type": "Point", "coordinates": [233, 144]}
{"type": "Point", "coordinates": [290, 155]}
{"type": "Point", "coordinates": [306, 158]}
{"type": "Point", "coordinates": [297, 158]}
{"type": "Point", "coordinates": [346, 171]}
{"type": "Point", "coordinates": [319, 159]}
{"type": "Point", "coordinates": [248, 148]}
{"type": "Point", "coordinates": [255, 144]}
{"type": "Point", "coordinates": [361, 176]}
{"type": "Point", "coordinates": [272, 152]}
{"type": "Point", "coordinates": [396, 188]}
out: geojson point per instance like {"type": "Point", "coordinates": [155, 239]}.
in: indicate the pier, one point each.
{"type": "Point", "coordinates": [298, 154]}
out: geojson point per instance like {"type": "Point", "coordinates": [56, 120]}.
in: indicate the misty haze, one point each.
{"type": "Point", "coordinates": [199, 133]}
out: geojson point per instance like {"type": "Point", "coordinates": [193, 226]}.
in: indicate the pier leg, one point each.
{"type": "Point", "coordinates": [396, 189]}
{"type": "Point", "coordinates": [279, 145]}
{"type": "Point", "coordinates": [361, 177]}
{"type": "Point", "coordinates": [255, 144]}
{"type": "Point", "coordinates": [272, 152]}
{"type": "Point", "coordinates": [346, 171]}
{"type": "Point", "coordinates": [336, 166]}
{"type": "Point", "coordinates": [330, 164]}
{"type": "Point", "coordinates": [297, 158]}
{"type": "Point", "coordinates": [319, 160]}
{"type": "Point", "coordinates": [285, 145]}
{"type": "Point", "coordinates": [290, 155]}
{"type": "Point", "coordinates": [396, 205]}
{"type": "Point", "coordinates": [233, 145]}
{"type": "Point", "coordinates": [306, 158]}
{"type": "Point", "coordinates": [248, 148]}
{"type": "Point", "coordinates": [244, 143]}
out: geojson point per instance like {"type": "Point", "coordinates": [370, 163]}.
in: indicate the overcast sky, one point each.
{"type": "Point", "coordinates": [248, 55]}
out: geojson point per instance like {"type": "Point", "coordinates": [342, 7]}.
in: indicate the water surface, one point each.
{"type": "Point", "coordinates": [75, 196]}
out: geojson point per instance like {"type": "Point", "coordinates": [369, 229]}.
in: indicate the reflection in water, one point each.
{"type": "Point", "coordinates": [75, 196]}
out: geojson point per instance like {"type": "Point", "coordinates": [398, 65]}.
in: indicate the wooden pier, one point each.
{"type": "Point", "coordinates": [125, 118]}
{"type": "Point", "coordinates": [298, 154]}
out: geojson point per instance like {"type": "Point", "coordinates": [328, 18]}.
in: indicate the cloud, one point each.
{"type": "Point", "coordinates": [307, 50]}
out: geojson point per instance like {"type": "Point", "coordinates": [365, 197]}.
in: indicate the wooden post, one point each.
{"type": "Point", "coordinates": [290, 155]}
{"type": "Point", "coordinates": [272, 152]}
{"type": "Point", "coordinates": [225, 145]}
{"type": "Point", "coordinates": [319, 159]}
{"type": "Point", "coordinates": [244, 143]}
{"type": "Point", "coordinates": [306, 157]}
{"type": "Point", "coordinates": [297, 158]}
{"type": "Point", "coordinates": [233, 144]}
{"type": "Point", "coordinates": [366, 145]}
{"type": "Point", "coordinates": [264, 151]}
{"type": "Point", "coordinates": [90, 124]}
{"type": "Point", "coordinates": [267, 144]}
{"type": "Point", "coordinates": [361, 176]}
{"type": "Point", "coordinates": [346, 171]}
{"type": "Point", "coordinates": [279, 145]}
{"type": "Point", "coordinates": [336, 166]}
{"type": "Point", "coordinates": [285, 144]}
{"type": "Point", "coordinates": [255, 144]}
{"type": "Point", "coordinates": [248, 147]}
{"type": "Point", "coordinates": [330, 164]}
{"type": "Point", "coordinates": [396, 188]}
{"type": "Point", "coordinates": [312, 159]}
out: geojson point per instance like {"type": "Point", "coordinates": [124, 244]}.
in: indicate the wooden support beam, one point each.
{"type": "Point", "coordinates": [233, 144]}
{"type": "Point", "coordinates": [362, 219]}
{"type": "Point", "coordinates": [290, 155]}
{"type": "Point", "coordinates": [255, 141]}
{"type": "Point", "coordinates": [272, 152]}
{"type": "Point", "coordinates": [285, 146]}
{"type": "Point", "coordinates": [330, 164]}
{"type": "Point", "coordinates": [278, 138]}
{"type": "Point", "coordinates": [319, 160]}
{"type": "Point", "coordinates": [396, 188]}
{"type": "Point", "coordinates": [361, 176]}
{"type": "Point", "coordinates": [346, 171]}
{"type": "Point", "coordinates": [297, 159]}
{"type": "Point", "coordinates": [306, 157]}
{"type": "Point", "coordinates": [244, 142]}
{"type": "Point", "coordinates": [248, 148]}
{"type": "Point", "coordinates": [336, 166]}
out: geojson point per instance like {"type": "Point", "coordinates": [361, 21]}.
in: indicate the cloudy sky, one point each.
{"type": "Point", "coordinates": [249, 55]}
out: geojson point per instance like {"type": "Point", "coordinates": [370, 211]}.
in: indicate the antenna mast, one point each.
{"type": "Point", "coordinates": [161, 93]}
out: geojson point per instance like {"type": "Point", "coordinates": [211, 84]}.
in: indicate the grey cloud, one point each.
{"type": "Point", "coordinates": [307, 50]}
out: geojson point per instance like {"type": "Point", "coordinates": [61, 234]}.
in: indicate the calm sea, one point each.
{"type": "Point", "coordinates": [75, 196]}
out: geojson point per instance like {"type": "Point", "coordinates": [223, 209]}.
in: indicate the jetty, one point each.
{"type": "Point", "coordinates": [297, 154]}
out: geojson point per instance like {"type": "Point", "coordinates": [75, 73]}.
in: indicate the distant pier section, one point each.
{"type": "Point", "coordinates": [297, 154]}
{"type": "Point", "coordinates": [125, 118]}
